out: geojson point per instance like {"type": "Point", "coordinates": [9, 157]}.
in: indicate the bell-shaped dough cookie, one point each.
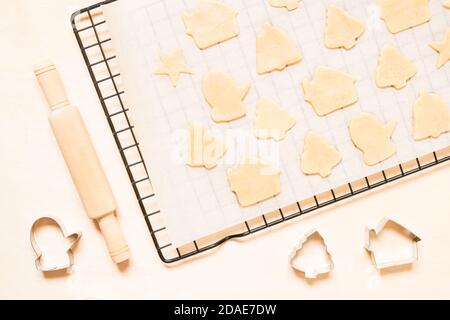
{"type": "Point", "coordinates": [204, 149]}
{"type": "Point", "coordinates": [224, 97]}
{"type": "Point", "coordinates": [210, 23]}
{"type": "Point", "coordinates": [272, 122]}
{"type": "Point", "coordinates": [373, 138]}
{"type": "Point", "coordinates": [288, 4]}
{"type": "Point", "coordinates": [254, 181]}
{"type": "Point", "coordinates": [400, 15]}
{"type": "Point", "coordinates": [330, 90]}
{"type": "Point", "coordinates": [318, 157]}
{"type": "Point", "coordinates": [275, 50]}
{"type": "Point", "coordinates": [342, 30]}
{"type": "Point", "coordinates": [431, 117]}
{"type": "Point", "coordinates": [443, 48]}
{"type": "Point", "coordinates": [394, 69]}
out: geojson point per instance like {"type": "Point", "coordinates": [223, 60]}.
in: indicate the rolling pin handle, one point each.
{"type": "Point", "coordinates": [117, 246]}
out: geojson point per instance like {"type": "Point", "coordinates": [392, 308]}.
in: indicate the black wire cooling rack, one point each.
{"type": "Point", "coordinates": [94, 40]}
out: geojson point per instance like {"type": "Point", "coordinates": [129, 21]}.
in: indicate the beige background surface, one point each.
{"type": "Point", "coordinates": [35, 182]}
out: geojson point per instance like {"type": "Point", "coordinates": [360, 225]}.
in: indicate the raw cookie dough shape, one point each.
{"type": "Point", "coordinates": [446, 4]}
{"type": "Point", "coordinates": [394, 68]}
{"type": "Point", "coordinates": [275, 50]}
{"type": "Point", "coordinates": [204, 149]}
{"type": "Point", "coordinates": [253, 182]}
{"type": "Point", "coordinates": [288, 4]}
{"type": "Point", "coordinates": [272, 122]}
{"type": "Point", "coordinates": [172, 64]}
{"type": "Point", "coordinates": [210, 23]}
{"type": "Point", "coordinates": [443, 48]}
{"type": "Point", "coordinates": [373, 138]}
{"type": "Point", "coordinates": [400, 15]}
{"type": "Point", "coordinates": [330, 90]}
{"type": "Point", "coordinates": [318, 157]}
{"type": "Point", "coordinates": [224, 97]}
{"type": "Point", "coordinates": [431, 116]}
{"type": "Point", "coordinates": [342, 30]}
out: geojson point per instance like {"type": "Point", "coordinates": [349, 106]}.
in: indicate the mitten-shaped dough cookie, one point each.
{"type": "Point", "coordinates": [431, 116]}
{"type": "Point", "coordinates": [204, 149]}
{"type": "Point", "coordinates": [330, 90]}
{"type": "Point", "coordinates": [373, 138]}
{"type": "Point", "coordinates": [224, 96]}
{"type": "Point", "coordinates": [254, 181]}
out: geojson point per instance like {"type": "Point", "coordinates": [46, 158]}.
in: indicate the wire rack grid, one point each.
{"type": "Point", "coordinates": [90, 30]}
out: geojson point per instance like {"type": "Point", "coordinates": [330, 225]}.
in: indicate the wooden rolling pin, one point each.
{"type": "Point", "coordinates": [82, 161]}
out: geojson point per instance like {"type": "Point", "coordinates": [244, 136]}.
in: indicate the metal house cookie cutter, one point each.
{"type": "Point", "coordinates": [311, 272]}
{"type": "Point", "coordinates": [377, 261]}
{"type": "Point", "coordinates": [74, 238]}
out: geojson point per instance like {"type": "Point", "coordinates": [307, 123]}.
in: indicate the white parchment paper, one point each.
{"type": "Point", "coordinates": [198, 202]}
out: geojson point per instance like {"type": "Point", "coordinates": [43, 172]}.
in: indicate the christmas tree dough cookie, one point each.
{"type": "Point", "coordinates": [443, 48]}
{"type": "Point", "coordinates": [394, 69]}
{"type": "Point", "coordinates": [253, 182]}
{"type": "Point", "coordinates": [272, 122]}
{"type": "Point", "coordinates": [275, 50]}
{"type": "Point", "coordinates": [210, 23]}
{"type": "Point", "coordinates": [204, 149]}
{"type": "Point", "coordinates": [373, 138]}
{"type": "Point", "coordinates": [224, 96]}
{"type": "Point", "coordinates": [318, 157]}
{"type": "Point", "coordinates": [400, 15]}
{"type": "Point", "coordinates": [172, 64]}
{"type": "Point", "coordinates": [288, 4]}
{"type": "Point", "coordinates": [431, 117]}
{"type": "Point", "coordinates": [342, 30]}
{"type": "Point", "coordinates": [330, 90]}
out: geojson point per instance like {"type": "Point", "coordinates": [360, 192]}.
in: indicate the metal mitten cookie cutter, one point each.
{"type": "Point", "coordinates": [381, 262]}
{"type": "Point", "coordinates": [74, 238]}
{"type": "Point", "coordinates": [310, 268]}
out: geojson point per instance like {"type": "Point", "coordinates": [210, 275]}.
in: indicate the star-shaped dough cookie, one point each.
{"type": "Point", "coordinates": [443, 48]}
{"type": "Point", "coordinates": [172, 64]}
